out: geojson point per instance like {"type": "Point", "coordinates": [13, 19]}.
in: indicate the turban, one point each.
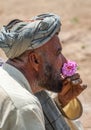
{"type": "Point", "coordinates": [27, 35]}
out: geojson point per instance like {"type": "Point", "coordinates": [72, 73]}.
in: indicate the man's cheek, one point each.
{"type": "Point", "coordinates": [58, 64]}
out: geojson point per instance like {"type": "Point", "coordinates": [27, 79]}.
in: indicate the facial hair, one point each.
{"type": "Point", "coordinates": [50, 80]}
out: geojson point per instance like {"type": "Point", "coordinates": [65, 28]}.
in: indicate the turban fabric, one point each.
{"type": "Point", "coordinates": [27, 35]}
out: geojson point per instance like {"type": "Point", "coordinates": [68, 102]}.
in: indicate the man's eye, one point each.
{"type": "Point", "coordinates": [59, 52]}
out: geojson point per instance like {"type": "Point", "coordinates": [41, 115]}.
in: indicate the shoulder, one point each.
{"type": "Point", "coordinates": [19, 96]}
{"type": "Point", "coordinates": [15, 92]}
{"type": "Point", "coordinates": [16, 103]}
{"type": "Point", "coordinates": [29, 115]}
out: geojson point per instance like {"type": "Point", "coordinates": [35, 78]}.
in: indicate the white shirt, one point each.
{"type": "Point", "coordinates": [19, 108]}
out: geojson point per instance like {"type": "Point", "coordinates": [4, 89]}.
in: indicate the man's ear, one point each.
{"type": "Point", "coordinates": [34, 60]}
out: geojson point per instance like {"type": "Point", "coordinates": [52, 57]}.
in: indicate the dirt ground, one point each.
{"type": "Point", "coordinates": [75, 34]}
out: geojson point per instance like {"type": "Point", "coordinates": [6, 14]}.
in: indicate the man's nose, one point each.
{"type": "Point", "coordinates": [64, 60]}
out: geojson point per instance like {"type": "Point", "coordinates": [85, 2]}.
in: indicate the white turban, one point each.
{"type": "Point", "coordinates": [29, 35]}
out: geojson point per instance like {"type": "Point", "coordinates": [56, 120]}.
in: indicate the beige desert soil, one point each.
{"type": "Point", "coordinates": [75, 35]}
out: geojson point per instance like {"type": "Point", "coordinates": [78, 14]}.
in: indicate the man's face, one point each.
{"type": "Point", "coordinates": [52, 62]}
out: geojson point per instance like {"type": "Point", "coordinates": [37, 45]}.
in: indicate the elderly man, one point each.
{"type": "Point", "coordinates": [34, 64]}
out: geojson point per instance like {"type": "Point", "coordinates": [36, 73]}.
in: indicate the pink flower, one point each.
{"type": "Point", "coordinates": [69, 68]}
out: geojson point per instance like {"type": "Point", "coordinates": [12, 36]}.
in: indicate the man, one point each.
{"type": "Point", "coordinates": [34, 64]}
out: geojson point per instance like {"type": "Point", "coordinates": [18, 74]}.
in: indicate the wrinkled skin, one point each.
{"type": "Point", "coordinates": [50, 77]}
{"type": "Point", "coordinates": [72, 87]}
{"type": "Point", "coordinates": [42, 68]}
{"type": "Point", "coordinates": [52, 62]}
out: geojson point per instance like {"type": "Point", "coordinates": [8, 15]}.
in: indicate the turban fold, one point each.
{"type": "Point", "coordinates": [29, 35]}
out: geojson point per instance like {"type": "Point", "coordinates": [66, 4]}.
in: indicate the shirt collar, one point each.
{"type": "Point", "coordinates": [17, 75]}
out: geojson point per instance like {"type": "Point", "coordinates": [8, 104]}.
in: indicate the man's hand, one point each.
{"type": "Point", "coordinates": [72, 87]}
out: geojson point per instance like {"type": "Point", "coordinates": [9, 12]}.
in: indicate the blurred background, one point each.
{"type": "Point", "coordinates": [75, 34]}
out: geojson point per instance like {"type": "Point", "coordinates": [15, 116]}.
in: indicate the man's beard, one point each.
{"type": "Point", "coordinates": [50, 80]}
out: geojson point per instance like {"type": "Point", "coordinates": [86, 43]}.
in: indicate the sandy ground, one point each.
{"type": "Point", "coordinates": [75, 34]}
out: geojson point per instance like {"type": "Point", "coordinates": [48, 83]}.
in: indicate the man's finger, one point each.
{"type": "Point", "coordinates": [84, 86]}
{"type": "Point", "coordinates": [75, 76]}
{"type": "Point", "coordinates": [66, 87]}
{"type": "Point", "coordinates": [76, 82]}
{"type": "Point", "coordinates": [78, 89]}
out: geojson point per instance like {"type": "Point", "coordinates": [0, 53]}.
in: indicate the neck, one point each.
{"type": "Point", "coordinates": [28, 73]}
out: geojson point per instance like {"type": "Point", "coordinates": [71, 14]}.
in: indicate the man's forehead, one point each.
{"type": "Point", "coordinates": [52, 45]}
{"type": "Point", "coordinates": [54, 42]}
